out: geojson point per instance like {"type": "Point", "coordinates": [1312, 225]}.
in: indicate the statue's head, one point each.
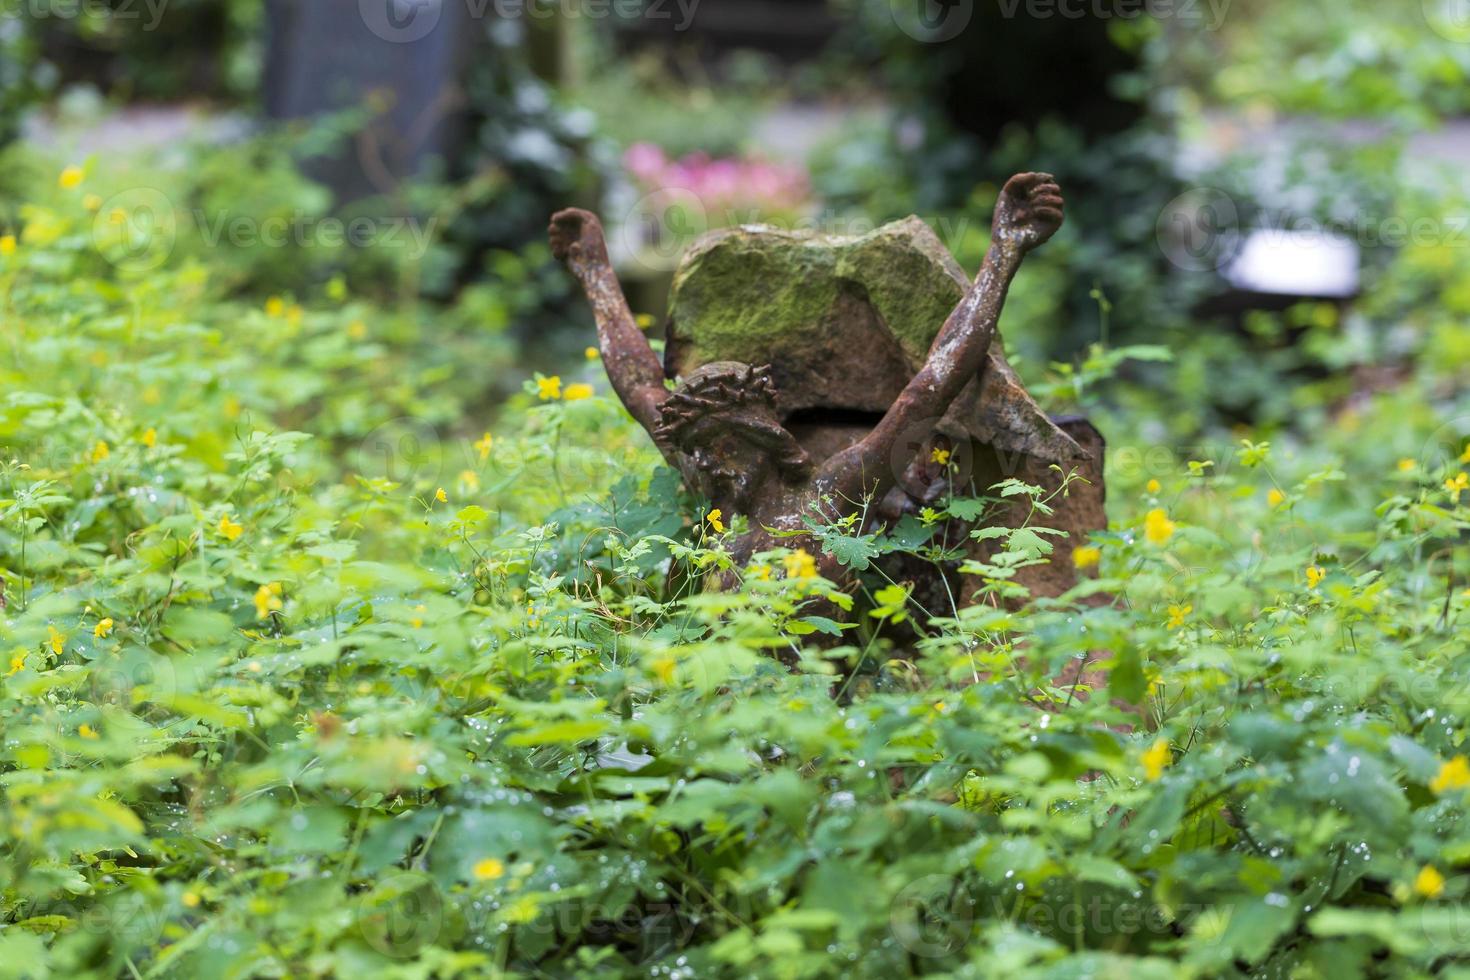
{"type": "Point", "coordinates": [723, 418]}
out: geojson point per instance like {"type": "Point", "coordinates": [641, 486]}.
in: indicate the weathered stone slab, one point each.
{"type": "Point", "coordinates": [845, 321]}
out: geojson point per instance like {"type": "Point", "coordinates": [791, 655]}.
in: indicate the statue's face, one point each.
{"type": "Point", "coordinates": [735, 455]}
{"type": "Point", "coordinates": [732, 469]}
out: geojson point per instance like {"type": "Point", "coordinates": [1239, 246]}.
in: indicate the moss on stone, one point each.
{"type": "Point", "coordinates": [767, 294]}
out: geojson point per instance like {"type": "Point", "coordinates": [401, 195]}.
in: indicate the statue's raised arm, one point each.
{"type": "Point", "coordinates": [632, 366]}
{"type": "Point", "coordinates": [1028, 213]}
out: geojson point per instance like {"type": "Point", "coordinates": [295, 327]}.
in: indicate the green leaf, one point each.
{"type": "Point", "coordinates": [561, 733]}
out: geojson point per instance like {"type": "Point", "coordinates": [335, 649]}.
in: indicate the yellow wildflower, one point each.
{"type": "Point", "coordinates": [577, 392]}
{"type": "Point", "coordinates": [275, 306]}
{"type": "Point", "coordinates": [150, 438]}
{"type": "Point", "coordinates": [470, 480]}
{"type": "Point", "coordinates": [17, 664]}
{"type": "Point", "coordinates": [1156, 759]}
{"type": "Point", "coordinates": [664, 668]}
{"type": "Point", "coordinates": [761, 572]}
{"type": "Point", "coordinates": [1086, 557]}
{"type": "Point", "coordinates": [1429, 882]}
{"type": "Point", "coordinates": [1315, 575]}
{"type": "Point", "coordinates": [228, 529]}
{"type": "Point", "coordinates": [55, 640]}
{"type": "Point", "coordinates": [357, 330]}
{"type": "Point", "coordinates": [1157, 527]}
{"type": "Point", "coordinates": [92, 202]}
{"type": "Point", "coordinates": [489, 869]}
{"type": "Point", "coordinates": [591, 353]}
{"type": "Point", "coordinates": [549, 389]}
{"type": "Point", "coordinates": [800, 564]}
{"type": "Point", "coordinates": [418, 621]}
{"type": "Point", "coordinates": [714, 520]}
{"type": "Point", "coordinates": [1457, 485]}
{"type": "Point", "coordinates": [7, 245]}
{"type": "Point", "coordinates": [483, 446]}
{"type": "Point", "coordinates": [441, 496]}
{"type": "Point", "coordinates": [940, 456]}
{"type": "Point", "coordinates": [102, 629]}
{"type": "Point", "coordinates": [1465, 456]}
{"type": "Point", "coordinates": [70, 178]}
{"type": "Point", "coordinates": [190, 900]}
{"type": "Point", "coordinates": [99, 452]}
{"type": "Point", "coordinates": [1153, 486]}
{"type": "Point", "coordinates": [294, 314]}
{"type": "Point", "coordinates": [1407, 465]}
{"type": "Point", "coordinates": [1454, 774]}
{"type": "Point", "coordinates": [1275, 498]}
{"type": "Point", "coordinates": [87, 731]}
{"type": "Point", "coordinates": [644, 320]}
{"type": "Point", "coordinates": [267, 600]}
{"type": "Point", "coordinates": [1177, 615]}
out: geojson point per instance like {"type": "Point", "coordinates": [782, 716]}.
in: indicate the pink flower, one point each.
{"type": "Point", "coordinates": [645, 161]}
{"type": "Point", "coordinates": [728, 190]}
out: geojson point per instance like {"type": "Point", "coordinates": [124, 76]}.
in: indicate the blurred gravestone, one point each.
{"type": "Point", "coordinates": [402, 59]}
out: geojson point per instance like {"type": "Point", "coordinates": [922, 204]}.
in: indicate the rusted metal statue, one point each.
{"type": "Point", "coordinates": [820, 431]}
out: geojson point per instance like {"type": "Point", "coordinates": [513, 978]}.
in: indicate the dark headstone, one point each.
{"type": "Point", "coordinates": [402, 59]}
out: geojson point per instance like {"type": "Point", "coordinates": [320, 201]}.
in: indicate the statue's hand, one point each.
{"type": "Point", "coordinates": [576, 237]}
{"type": "Point", "coordinates": [1029, 210]}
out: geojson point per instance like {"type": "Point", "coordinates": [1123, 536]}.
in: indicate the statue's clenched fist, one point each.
{"type": "Point", "coordinates": [576, 237]}
{"type": "Point", "coordinates": [1029, 211]}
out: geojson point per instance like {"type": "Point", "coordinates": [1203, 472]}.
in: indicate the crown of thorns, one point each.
{"type": "Point", "coordinates": [720, 389]}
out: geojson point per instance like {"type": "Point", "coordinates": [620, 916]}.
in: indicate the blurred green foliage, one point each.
{"type": "Point", "coordinates": [135, 50]}
{"type": "Point", "coordinates": [1407, 60]}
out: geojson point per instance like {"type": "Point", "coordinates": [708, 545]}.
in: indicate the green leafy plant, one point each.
{"type": "Point", "coordinates": [312, 668]}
